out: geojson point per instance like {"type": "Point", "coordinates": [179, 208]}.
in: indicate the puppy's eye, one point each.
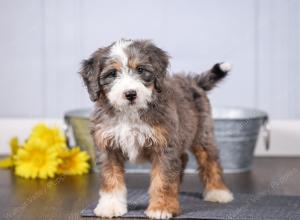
{"type": "Point", "coordinates": [140, 70]}
{"type": "Point", "coordinates": [112, 74]}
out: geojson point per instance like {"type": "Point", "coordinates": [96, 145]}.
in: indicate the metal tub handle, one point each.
{"type": "Point", "coordinates": [266, 133]}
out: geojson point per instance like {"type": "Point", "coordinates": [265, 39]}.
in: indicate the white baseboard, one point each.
{"type": "Point", "coordinates": [285, 139]}
{"type": "Point", "coordinates": [285, 135]}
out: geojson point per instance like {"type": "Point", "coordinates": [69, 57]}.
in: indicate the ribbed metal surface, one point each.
{"type": "Point", "coordinates": [236, 131]}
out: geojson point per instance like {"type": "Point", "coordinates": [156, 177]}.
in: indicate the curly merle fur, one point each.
{"type": "Point", "coordinates": [171, 115]}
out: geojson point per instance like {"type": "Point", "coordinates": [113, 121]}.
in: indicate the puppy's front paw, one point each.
{"type": "Point", "coordinates": [218, 195]}
{"type": "Point", "coordinates": [158, 214]}
{"type": "Point", "coordinates": [109, 210]}
{"type": "Point", "coordinates": [111, 205]}
{"type": "Point", "coordinates": [225, 67]}
{"type": "Point", "coordinates": [163, 211]}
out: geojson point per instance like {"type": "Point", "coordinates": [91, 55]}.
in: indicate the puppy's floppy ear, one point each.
{"type": "Point", "coordinates": [160, 60]}
{"type": "Point", "coordinates": [90, 78]}
{"type": "Point", "coordinates": [90, 72]}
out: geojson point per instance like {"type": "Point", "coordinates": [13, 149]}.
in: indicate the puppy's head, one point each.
{"type": "Point", "coordinates": [127, 74]}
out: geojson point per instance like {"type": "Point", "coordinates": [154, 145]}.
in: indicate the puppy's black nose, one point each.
{"type": "Point", "coordinates": [130, 95]}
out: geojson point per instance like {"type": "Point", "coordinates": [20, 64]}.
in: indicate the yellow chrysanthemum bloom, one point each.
{"type": "Point", "coordinates": [51, 135]}
{"type": "Point", "coordinates": [74, 162]}
{"type": "Point", "coordinates": [45, 154]}
{"type": "Point", "coordinates": [14, 145]}
{"type": "Point", "coordinates": [8, 162]}
{"type": "Point", "coordinates": [36, 160]}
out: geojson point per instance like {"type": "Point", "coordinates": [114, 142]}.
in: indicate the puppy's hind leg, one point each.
{"type": "Point", "coordinates": [210, 173]}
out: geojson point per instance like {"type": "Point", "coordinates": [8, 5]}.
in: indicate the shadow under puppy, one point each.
{"type": "Point", "coordinates": [143, 114]}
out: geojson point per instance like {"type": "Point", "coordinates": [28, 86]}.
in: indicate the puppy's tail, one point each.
{"type": "Point", "coordinates": [209, 79]}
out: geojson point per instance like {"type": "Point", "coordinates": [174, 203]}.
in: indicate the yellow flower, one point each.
{"type": "Point", "coordinates": [8, 162]}
{"type": "Point", "coordinates": [36, 160]}
{"type": "Point", "coordinates": [53, 137]}
{"type": "Point", "coordinates": [75, 162]}
{"type": "Point", "coordinates": [14, 145]}
{"type": "Point", "coordinates": [45, 154]}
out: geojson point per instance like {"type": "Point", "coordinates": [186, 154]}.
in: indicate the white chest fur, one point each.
{"type": "Point", "coordinates": [129, 133]}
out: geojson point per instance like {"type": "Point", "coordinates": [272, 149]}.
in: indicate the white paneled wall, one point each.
{"type": "Point", "coordinates": [43, 42]}
{"type": "Point", "coordinates": [278, 54]}
{"type": "Point", "coordinates": [21, 58]}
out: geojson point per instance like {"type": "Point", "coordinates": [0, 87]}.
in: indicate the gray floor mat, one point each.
{"type": "Point", "coordinates": [244, 206]}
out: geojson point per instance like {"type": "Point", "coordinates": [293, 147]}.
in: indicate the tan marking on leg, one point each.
{"type": "Point", "coordinates": [211, 174]}
{"type": "Point", "coordinates": [210, 170]}
{"type": "Point", "coordinates": [112, 171]}
{"type": "Point", "coordinates": [163, 201]}
{"type": "Point", "coordinates": [113, 201]}
{"type": "Point", "coordinates": [112, 177]}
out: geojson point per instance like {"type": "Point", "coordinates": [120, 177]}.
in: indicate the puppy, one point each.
{"type": "Point", "coordinates": [143, 114]}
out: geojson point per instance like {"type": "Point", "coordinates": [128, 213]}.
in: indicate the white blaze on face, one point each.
{"type": "Point", "coordinates": [126, 81]}
{"type": "Point", "coordinates": [117, 50]}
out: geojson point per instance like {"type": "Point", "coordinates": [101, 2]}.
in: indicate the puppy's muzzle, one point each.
{"type": "Point", "coordinates": [130, 95]}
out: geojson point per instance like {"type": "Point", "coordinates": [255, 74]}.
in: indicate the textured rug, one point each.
{"type": "Point", "coordinates": [244, 206]}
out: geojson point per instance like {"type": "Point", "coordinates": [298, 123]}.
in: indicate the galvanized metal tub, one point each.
{"type": "Point", "coordinates": [236, 131]}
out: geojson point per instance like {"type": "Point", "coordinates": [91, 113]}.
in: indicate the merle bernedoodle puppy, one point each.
{"type": "Point", "coordinates": [144, 114]}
